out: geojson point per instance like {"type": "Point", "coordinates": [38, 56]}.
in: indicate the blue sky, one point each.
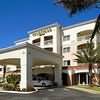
{"type": "Point", "coordinates": [19, 16]}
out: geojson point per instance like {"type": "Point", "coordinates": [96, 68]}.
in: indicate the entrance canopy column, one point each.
{"type": "Point", "coordinates": [70, 77]}
{"type": "Point", "coordinates": [58, 74]}
{"type": "Point", "coordinates": [79, 79]}
{"type": "Point", "coordinates": [87, 82]}
{"type": "Point", "coordinates": [26, 70]}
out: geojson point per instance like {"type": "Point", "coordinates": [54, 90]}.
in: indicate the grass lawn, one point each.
{"type": "Point", "coordinates": [91, 87]}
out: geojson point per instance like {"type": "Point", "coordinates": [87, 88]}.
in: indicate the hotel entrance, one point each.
{"type": "Point", "coordinates": [65, 79]}
{"type": "Point", "coordinates": [83, 78]}
{"type": "Point", "coordinates": [80, 79]}
{"type": "Point", "coordinates": [46, 72]}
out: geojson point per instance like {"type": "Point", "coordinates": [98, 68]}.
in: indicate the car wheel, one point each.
{"type": "Point", "coordinates": [43, 84]}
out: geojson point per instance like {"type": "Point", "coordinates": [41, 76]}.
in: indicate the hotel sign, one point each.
{"type": "Point", "coordinates": [42, 32]}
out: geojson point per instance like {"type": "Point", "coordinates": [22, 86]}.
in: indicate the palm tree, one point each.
{"type": "Point", "coordinates": [4, 73]}
{"type": "Point", "coordinates": [74, 6]}
{"type": "Point", "coordinates": [90, 56]}
{"type": "Point", "coordinates": [96, 29]}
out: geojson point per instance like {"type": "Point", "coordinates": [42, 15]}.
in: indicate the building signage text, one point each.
{"type": "Point", "coordinates": [42, 32]}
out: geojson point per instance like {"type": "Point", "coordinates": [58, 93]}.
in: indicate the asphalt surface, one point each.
{"type": "Point", "coordinates": [51, 94]}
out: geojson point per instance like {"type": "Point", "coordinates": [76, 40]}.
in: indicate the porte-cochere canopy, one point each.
{"type": "Point", "coordinates": [27, 56]}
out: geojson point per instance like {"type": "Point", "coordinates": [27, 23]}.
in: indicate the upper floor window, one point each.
{"type": "Point", "coordinates": [36, 41]}
{"type": "Point", "coordinates": [8, 69]}
{"type": "Point", "coordinates": [48, 40]}
{"type": "Point", "coordinates": [84, 35]}
{"type": "Point", "coordinates": [66, 49]}
{"type": "Point", "coordinates": [66, 38]}
{"type": "Point", "coordinates": [49, 49]}
{"type": "Point", "coordinates": [66, 62]}
{"type": "Point", "coordinates": [0, 69]}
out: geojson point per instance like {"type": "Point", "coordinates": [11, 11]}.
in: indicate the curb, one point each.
{"type": "Point", "coordinates": [18, 92]}
{"type": "Point", "coordinates": [84, 90]}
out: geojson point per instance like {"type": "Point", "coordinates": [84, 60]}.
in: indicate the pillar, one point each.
{"type": "Point", "coordinates": [4, 72]}
{"type": "Point", "coordinates": [42, 41]}
{"type": "Point", "coordinates": [70, 77]}
{"type": "Point", "coordinates": [79, 79]}
{"type": "Point", "coordinates": [26, 70]}
{"type": "Point", "coordinates": [58, 74]}
{"type": "Point", "coordinates": [87, 82]}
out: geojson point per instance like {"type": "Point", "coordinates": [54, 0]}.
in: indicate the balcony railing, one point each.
{"type": "Point", "coordinates": [48, 42]}
{"type": "Point", "coordinates": [37, 44]}
{"type": "Point", "coordinates": [81, 38]}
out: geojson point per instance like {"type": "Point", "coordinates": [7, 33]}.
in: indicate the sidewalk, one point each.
{"type": "Point", "coordinates": [83, 89]}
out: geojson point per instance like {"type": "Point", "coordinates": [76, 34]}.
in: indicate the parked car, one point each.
{"type": "Point", "coordinates": [41, 81]}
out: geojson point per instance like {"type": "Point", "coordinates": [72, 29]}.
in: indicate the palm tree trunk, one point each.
{"type": "Point", "coordinates": [4, 73]}
{"type": "Point", "coordinates": [98, 73]}
{"type": "Point", "coordinates": [90, 74]}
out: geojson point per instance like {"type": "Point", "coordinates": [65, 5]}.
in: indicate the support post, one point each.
{"type": "Point", "coordinates": [58, 74]}
{"type": "Point", "coordinates": [79, 79]}
{"type": "Point", "coordinates": [87, 82]}
{"type": "Point", "coordinates": [26, 70]}
{"type": "Point", "coordinates": [70, 77]}
{"type": "Point", "coordinates": [4, 72]}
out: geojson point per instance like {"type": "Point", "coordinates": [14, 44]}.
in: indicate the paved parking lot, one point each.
{"type": "Point", "coordinates": [51, 94]}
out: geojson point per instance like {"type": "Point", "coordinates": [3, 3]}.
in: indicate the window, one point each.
{"type": "Point", "coordinates": [49, 49]}
{"type": "Point", "coordinates": [84, 35]}
{"type": "Point", "coordinates": [0, 69]}
{"type": "Point", "coordinates": [36, 42]}
{"type": "Point", "coordinates": [66, 62]}
{"type": "Point", "coordinates": [66, 49]}
{"type": "Point", "coordinates": [48, 40]}
{"type": "Point", "coordinates": [66, 38]}
{"type": "Point", "coordinates": [83, 46]}
{"type": "Point", "coordinates": [8, 69]}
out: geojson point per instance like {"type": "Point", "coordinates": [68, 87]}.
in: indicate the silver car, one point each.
{"type": "Point", "coordinates": [40, 81]}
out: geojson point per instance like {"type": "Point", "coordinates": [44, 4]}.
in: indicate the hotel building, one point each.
{"type": "Point", "coordinates": [63, 41]}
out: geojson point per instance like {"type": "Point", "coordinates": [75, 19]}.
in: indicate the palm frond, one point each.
{"type": "Point", "coordinates": [76, 5]}
{"type": "Point", "coordinates": [80, 57]}
{"type": "Point", "coordinates": [88, 55]}
{"type": "Point", "coordinates": [97, 28]}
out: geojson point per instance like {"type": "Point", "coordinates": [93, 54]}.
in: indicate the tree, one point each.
{"type": "Point", "coordinates": [90, 56]}
{"type": "Point", "coordinates": [4, 73]}
{"type": "Point", "coordinates": [74, 6]}
{"type": "Point", "coordinates": [96, 29]}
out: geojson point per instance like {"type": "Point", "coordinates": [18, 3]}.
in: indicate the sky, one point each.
{"type": "Point", "coordinates": [17, 17]}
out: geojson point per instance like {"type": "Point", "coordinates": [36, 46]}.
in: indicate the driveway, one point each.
{"type": "Point", "coordinates": [51, 94]}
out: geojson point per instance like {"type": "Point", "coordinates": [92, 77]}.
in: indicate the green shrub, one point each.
{"type": "Point", "coordinates": [8, 87]}
{"type": "Point", "coordinates": [13, 79]}
{"type": "Point", "coordinates": [24, 90]}
{"type": "Point", "coordinates": [17, 88]}
{"type": "Point", "coordinates": [12, 82]}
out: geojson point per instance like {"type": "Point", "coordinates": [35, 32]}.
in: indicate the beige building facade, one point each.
{"type": "Point", "coordinates": [52, 50]}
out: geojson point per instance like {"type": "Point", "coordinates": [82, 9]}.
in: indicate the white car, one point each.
{"type": "Point", "coordinates": [40, 81]}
